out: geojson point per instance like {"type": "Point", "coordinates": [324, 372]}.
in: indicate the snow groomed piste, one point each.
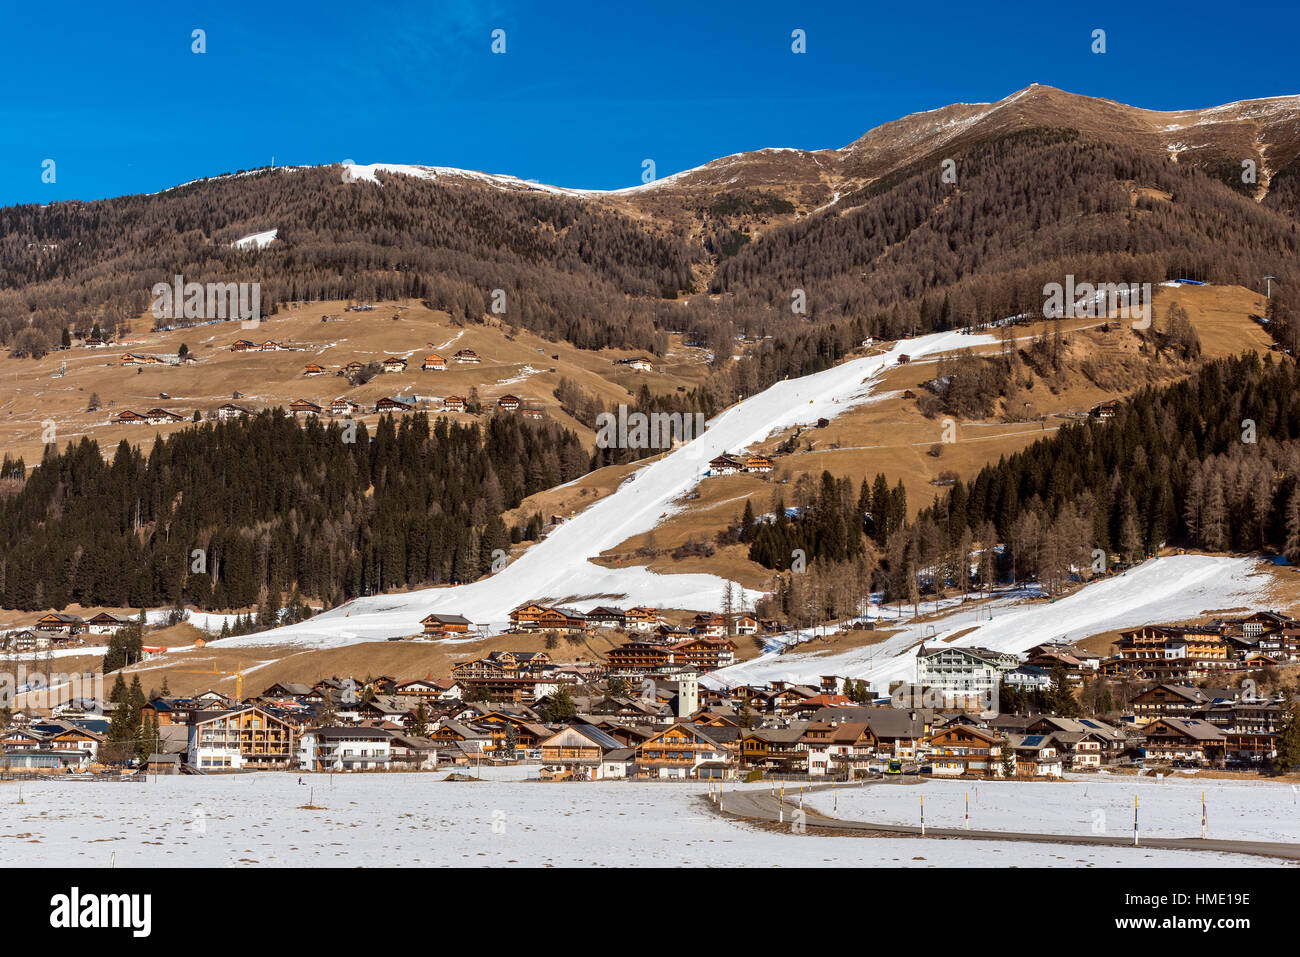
{"type": "Point", "coordinates": [558, 568]}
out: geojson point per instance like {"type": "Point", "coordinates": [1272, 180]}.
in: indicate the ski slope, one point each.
{"type": "Point", "coordinates": [558, 570]}
{"type": "Point", "coordinates": [1159, 590]}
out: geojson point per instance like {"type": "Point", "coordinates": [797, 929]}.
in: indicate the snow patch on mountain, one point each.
{"type": "Point", "coordinates": [257, 240]}
{"type": "Point", "coordinates": [559, 568]}
{"type": "Point", "coordinates": [1160, 590]}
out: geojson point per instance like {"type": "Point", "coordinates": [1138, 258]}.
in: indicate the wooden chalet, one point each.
{"type": "Point", "coordinates": [58, 621]}
{"type": "Point", "coordinates": [1183, 739]}
{"type": "Point", "coordinates": [37, 639]}
{"type": "Point", "coordinates": [343, 406]}
{"type": "Point", "coordinates": [641, 618]}
{"type": "Point", "coordinates": [442, 625]}
{"type": "Point", "coordinates": [836, 747]}
{"type": "Point", "coordinates": [106, 622]}
{"type": "Point", "coordinates": [966, 750]}
{"type": "Point", "coordinates": [434, 363]}
{"type": "Point", "coordinates": [1036, 755]}
{"type": "Point", "coordinates": [231, 411]}
{"type": "Point", "coordinates": [128, 417]}
{"type": "Point", "coordinates": [243, 345]}
{"type": "Point", "coordinates": [524, 617]}
{"type": "Point", "coordinates": [424, 688]}
{"type": "Point", "coordinates": [709, 625]}
{"type": "Point", "coordinates": [18, 739]}
{"type": "Point", "coordinates": [638, 657]}
{"type": "Point", "coordinates": [390, 404]}
{"type": "Point", "coordinates": [304, 407]}
{"type": "Point", "coordinates": [467, 355]}
{"type": "Point", "coordinates": [1169, 701]}
{"type": "Point", "coordinates": [565, 620]}
{"type": "Point", "coordinates": [162, 417]}
{"type": "Point", "coordinates": [706, 654]}
{"type": "Point", "coordinates": [455, 403]}
{"type": "Point", "coordinates": [773, 749]}
{"type": "Point", "coordinates": [313, 369]}
{"type": "Point", "coordinates": [680, 751]}
{"type": "Point", "coordinates": [76, 738]}
{"type": "Point", "coordinates": [1159, 651]}
{"type": "Point", "coordinates": [394, 364]}
{"type": "Point", "coordinates": [725, 465]}
{"type": "Point", "coordinates": [894, 732]}
{"type": "Point", "coordinates": [528, 734]}
{"type": "Point", "coordinates": [605, 616]}
{"type": "Point", "coordinates": [509, 403]}
{"type": "Point", "coordinates": [577, 752]}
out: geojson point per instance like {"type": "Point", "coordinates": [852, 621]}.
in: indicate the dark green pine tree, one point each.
{"type": "Point", "coordinates": [1060, 696]}
{"type": "Point", "coordinates": [748, 524]}
{"type": "Point", "coordinates": [1288, 742]}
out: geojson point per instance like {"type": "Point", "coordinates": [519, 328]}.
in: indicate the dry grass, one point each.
{"type": "Point", "coordinates": [31, 394]}
{"type": "Point", "coordinates": [892, 435]}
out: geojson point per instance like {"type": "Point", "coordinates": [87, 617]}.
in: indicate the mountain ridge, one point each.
{"type": "Point", "coordinates": [893, 143]}
{"type": "Point", "coordinates": [1043, 183]}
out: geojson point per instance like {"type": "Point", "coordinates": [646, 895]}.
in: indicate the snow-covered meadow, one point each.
{"type": "Point", "coordinates": [372, 820]}
{"type": "Point", "coordinates": [1091, 804]}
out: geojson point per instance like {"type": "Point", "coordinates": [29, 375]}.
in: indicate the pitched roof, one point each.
{"type": "Point", "coordinates": [1191, 727]}
{"type": "Point", "coordinates": [895, 722]}
{"type": "Point", "coordinates": [446, 619]}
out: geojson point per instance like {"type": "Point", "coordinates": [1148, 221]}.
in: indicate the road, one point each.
{"type": "Point", "coordinates": [762, 805]}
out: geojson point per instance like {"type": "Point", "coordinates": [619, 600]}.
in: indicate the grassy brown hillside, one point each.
{"type": "Point", "coordinates": [33, 394]}
{"type": "Point", "coordinates": [895, 437]}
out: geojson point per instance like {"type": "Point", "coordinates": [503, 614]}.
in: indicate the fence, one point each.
{"type": "Point", "coordinates": [836, 777]}
{"type": "Point", "coordinates": [28, 775]}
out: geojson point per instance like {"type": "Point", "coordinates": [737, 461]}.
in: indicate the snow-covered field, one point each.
{"type": "Point", "coordinates": [557, 569]}
{"type": "Point", "coordinates": [1159, 590]}
{"type": "Point", "coordinates": [1092, 804]}
{"type": "Point", "coordinates": [421, 820]}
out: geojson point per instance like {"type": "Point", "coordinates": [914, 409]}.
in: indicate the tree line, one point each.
{"type": "Point", "coordinates": [231, 514]}
{"type": "Point", "coordinates": [1211, 462]}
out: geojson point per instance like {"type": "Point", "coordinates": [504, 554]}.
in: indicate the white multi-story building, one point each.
{"type": "Point", "coordinates": [974, 670]}
{"type": "Point", "coordinates": [345, 749]}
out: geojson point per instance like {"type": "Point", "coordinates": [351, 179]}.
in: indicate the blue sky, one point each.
{"type": "Point", "coordinates": [584, 92]}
